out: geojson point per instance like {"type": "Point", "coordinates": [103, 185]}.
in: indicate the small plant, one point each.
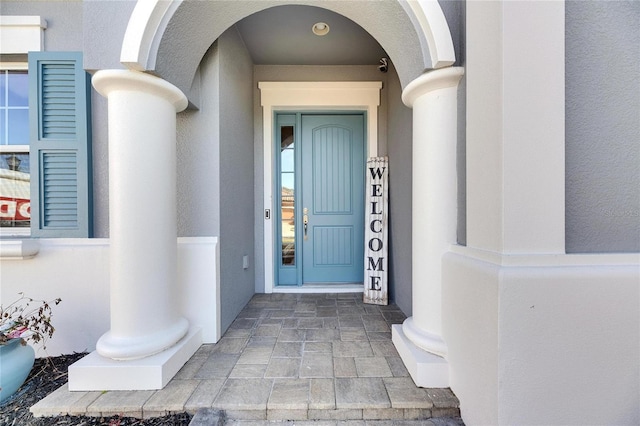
{"type": "Point", "coordinates": [26, 319]}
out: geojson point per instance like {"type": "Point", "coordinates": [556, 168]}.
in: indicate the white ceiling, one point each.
{"type": "Point", "coordinates": [282, 36]}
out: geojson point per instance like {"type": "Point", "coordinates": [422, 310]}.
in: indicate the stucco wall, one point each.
{"type": "Point", "coordinates": [470, 328]}
{"type": "Point", "coordinates": [64, 21]}
{"type": "Point", "coordinates": [399, 150]}
{"type": "Point", "coordinates": [570, 341]}
{"type": "Point", "coordinates": [602, 126]}
{"type": "Point", "coordinates": [198, 156]}
{"type": "Point", "coordinates": [543, 340]}
{"type": "Point", "coordinates": [215, 167]}
{"type": "Point", "coordinates": [100, 164]}
{"type": "Point", "coordinates": [105, 23]}
{"type": "Point", "coordinates": [237, 207]}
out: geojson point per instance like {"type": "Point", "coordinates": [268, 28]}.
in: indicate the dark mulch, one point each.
{"type": "Point", "coordinates": [47, 375]}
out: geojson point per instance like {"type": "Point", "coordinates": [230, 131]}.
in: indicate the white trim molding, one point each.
{"type": "Point", "coordinates": [21, 34]}
{"type": "Point", "coordinates": [434, 31]}
{"type": "Point", "coordinates": [146, 26]}
{"type": "Point", "coordinates": [299, 96]}
{"type": "Point", "coordinates": [18, 249]}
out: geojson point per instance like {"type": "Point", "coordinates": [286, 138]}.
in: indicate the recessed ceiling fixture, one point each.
{"type": "Point", "coordinates": [320, 28]}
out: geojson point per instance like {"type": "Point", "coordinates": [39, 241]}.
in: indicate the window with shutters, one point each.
{"type": "Point", "coordinates": [15, 202]}
{"type": "Point", "coordinates": [60, 145]}
{"type": "Point", "coordinates": [45, 139]}
{"type": "Point", "coordinates": [45, 147]}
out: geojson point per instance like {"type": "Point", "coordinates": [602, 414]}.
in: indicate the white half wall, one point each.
{"type": "Point", "coordinates": [199, 284]}
{"type": "Point", "coordinates": [551, 340]}
{"type": "Point", "coordinates": [77, 271]}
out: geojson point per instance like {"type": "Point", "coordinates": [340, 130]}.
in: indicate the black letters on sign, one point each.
{"type": "Point", "coordinates": [376, 232]}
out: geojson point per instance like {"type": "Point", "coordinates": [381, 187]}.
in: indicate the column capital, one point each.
{"type": "Point", "coordinates": [430, 81]}
{"type": "Point", "coordinates": [108, 81]}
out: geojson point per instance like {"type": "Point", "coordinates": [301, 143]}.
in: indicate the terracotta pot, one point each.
{"type": "Point", "coordinates": [16, 362]}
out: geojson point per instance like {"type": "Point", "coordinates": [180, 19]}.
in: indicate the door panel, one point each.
{"type": "Point", "coordinates": [331, 164]}
{"type": "Point", "coordinates": [333, 198]}
{"type": "Point", "coordinates": [332, 245]}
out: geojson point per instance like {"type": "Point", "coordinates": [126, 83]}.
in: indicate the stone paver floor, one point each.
{"type": "Point", "coordinates": [286, 357]}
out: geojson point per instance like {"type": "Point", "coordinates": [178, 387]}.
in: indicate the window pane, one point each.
{"type": "Point", "coordinates": [18, 127]}
{"type": "Point", "coordinates": [15, 206]}
{"type": "Point", "coordinates": [15, 161]}
{"type": "Point", "coordinates": [287, 160]}
{"type": "Point", "coordinates": [18, 88]}
{"type": "Point", "coordinates": [3, 88]}
{"type": "Point", "coordinates": [3, 127]}
{"type": "Point", "coordinates": [286, 136]}
{"type": "Point", "coordinates": [288, 219]}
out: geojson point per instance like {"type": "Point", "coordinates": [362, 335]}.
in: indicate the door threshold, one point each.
{"type": "Point", "coordinates": [320, 288]}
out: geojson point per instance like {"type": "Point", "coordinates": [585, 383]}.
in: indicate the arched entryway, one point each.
{"type": "Point", "coordinates": [169, 40]}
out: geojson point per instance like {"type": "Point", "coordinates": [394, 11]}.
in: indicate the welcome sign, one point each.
{"type": "Point", "coordinates": [376, 215]}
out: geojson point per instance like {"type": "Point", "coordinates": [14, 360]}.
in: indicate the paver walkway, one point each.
{"type": "Point", "coordinates": [285, 357]}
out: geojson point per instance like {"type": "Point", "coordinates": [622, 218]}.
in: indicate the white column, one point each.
{"type": "Point", "coordinates": [433, 97]}
{"type": "Point", "coordinates": [142, 214]}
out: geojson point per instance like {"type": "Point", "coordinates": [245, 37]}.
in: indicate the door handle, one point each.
{"type": "Point", "coordinates": [305, 221]}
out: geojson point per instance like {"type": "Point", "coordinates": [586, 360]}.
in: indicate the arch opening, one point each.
{"type": "Point", "coordinates": [170, 38]}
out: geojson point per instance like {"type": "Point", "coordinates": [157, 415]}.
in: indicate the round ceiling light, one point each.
{"type": "Point", "coordinates": [320, 28]}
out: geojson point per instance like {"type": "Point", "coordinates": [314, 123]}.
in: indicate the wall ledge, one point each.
{"type": "Point", "coordinates": [547, 259]}
{"type": "Point", "coordinates": [18, 249]}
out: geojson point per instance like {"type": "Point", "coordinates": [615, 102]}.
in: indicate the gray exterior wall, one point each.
{"type": "Point", "coordinates": [64, 21]}
{"type": "Point", "coordinates": [215, 167]}
{"type": "Point", "coordinates": [105, 23]}
{"type": "Point", "coordinates": [455, 14]}
{"type": "Point", "coordinates": [236, 175]}
{"type": "Point", "coordinates": [198, 156]}
{"type": "Point", "coordinates": [399, 150]}
{"type": "Point", "coordinates": [602, 126]}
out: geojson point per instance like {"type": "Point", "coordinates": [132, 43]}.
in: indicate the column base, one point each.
{"type": "Point", "coordinates": [97, 373]}
{"type": "Point", "coordinates": [426, 369]}
{"type": "Point", "coordinates": [130, 348]}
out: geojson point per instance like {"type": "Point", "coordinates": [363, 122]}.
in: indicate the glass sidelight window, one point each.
{"type": "Point", "coordinates": [286, 185]}
{"type": "Point", "coordinates": [287, 194]}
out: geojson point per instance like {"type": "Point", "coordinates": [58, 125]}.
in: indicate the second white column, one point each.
{"type": "Point", "coordinates": [433, 97]}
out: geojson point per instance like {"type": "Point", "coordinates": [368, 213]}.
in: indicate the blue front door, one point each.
{"type": "Point", "coordinates": [332, 198]}
{"type": "Point", "coordinates": [329, 205]}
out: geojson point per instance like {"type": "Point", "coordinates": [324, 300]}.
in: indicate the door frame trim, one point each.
{"type": "Point", "coordinates": [324, 96]}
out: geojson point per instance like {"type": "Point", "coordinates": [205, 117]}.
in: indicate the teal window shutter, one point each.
{"type": "Point", "coordinates": [60, 145]}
